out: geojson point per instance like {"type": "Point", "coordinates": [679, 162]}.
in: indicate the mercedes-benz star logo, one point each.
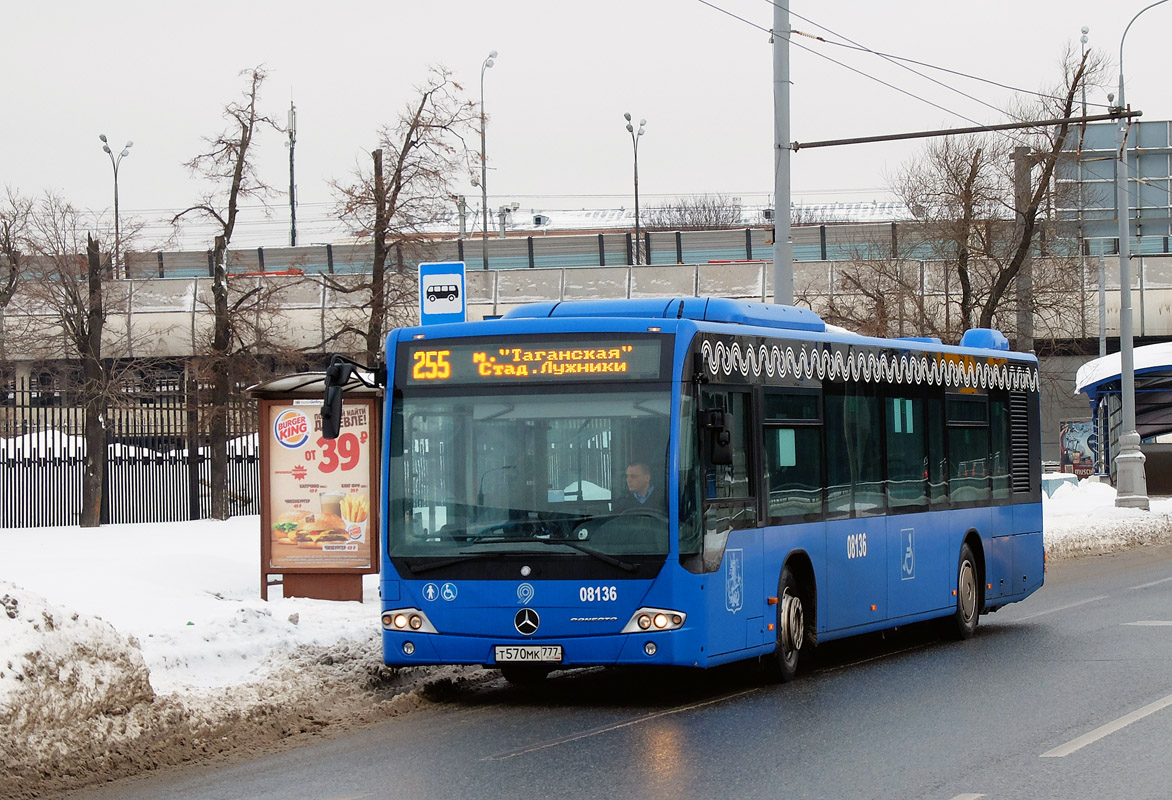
{"type": "Point", "coordinates": [526, 622]}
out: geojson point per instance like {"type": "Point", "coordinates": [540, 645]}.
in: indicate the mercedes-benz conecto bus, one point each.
{"type": "Point", "coordinates": [694, 482]}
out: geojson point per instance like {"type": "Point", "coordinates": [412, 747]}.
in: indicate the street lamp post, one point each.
{"type": "Point", "coordinates": [1131, 483]}
{"type": "Point", "coordinates": [117, 225]}
{"type": "Point", "coordinates": [635, 147]}
{"type": "Point", "coordinates": [488, 62]}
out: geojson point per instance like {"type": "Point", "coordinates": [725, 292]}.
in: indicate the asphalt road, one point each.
{"type": "Point", "coordinates": [1067, 695]}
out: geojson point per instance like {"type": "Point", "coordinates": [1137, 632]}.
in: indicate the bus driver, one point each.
{"type": "Point", "coordinates": [640, 492]}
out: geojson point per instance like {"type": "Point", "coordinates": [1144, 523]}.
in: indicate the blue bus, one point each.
{"type": "Point", "coordinates": [693, 482]}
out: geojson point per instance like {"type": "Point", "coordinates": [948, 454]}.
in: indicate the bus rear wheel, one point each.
{"type": "Point", "coordinates": [791, 629]}
{"type": "Point", "coordinates": [968, 596]}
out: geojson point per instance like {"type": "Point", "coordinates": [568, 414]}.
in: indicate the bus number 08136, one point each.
{"type": "Point", "coordinates": [856, 545]}
{"type": "Point", "coordinates": [596, 594]}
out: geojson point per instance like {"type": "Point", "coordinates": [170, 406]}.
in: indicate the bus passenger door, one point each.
{"type": "Point", "coordinates": [856, 507]}
{"type": "Point", "coordinates": [732, 541]}
{"type": "Point", "coordinates": [918, 560]}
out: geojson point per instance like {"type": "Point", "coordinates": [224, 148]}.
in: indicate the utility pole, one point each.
{"type": "Point", "coordinates": [292, 185]}
{"type": "Point", "coordinates": [462, 208]}
{"type": "Point", "coordinates": [1131, 480]}
{"type": "Point", "coordinates": [488, 62]}
{"type": "Point", "coordinates": [1022, 162]}
{"type": "Point", "coordinates": [783, 246]}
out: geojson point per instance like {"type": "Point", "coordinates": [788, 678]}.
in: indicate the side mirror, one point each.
{"type": "Point", "coordinates": [720, 439]}
{"type": "Point", "coordinates": [337, 376]}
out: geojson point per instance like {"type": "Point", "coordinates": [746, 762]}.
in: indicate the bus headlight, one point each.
{"type": "Point", "coordinates": [407, 619]}
{"type": "Point", "coordinates": [655, 619]}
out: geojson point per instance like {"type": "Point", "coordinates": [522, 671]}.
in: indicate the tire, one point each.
{"type": "Point", "coordinates": [525, 674]}
{"type": "Point", "coordinates": [968, 596]}
{"type": "Point", "coordinates": [792, 641]}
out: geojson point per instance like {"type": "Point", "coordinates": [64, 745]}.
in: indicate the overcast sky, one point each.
{"type": "Point", "coordinates": [160, 73]}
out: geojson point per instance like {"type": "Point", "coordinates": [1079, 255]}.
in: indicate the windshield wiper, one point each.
{"type": "Point", "coordinates": [590, 551]}
{"type": "Point", "coordinates": [605, 558]}
{"type": "Point", "coordinates": [419, 569]}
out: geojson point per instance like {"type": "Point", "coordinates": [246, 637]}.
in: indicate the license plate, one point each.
{"type": "Point", "coordinates": [527, 652]}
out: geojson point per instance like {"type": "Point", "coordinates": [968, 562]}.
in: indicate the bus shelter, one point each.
{"type": "Point", "coordinates": [1101, 381]}
{"type": "Point", "coordinates": [319, 519]}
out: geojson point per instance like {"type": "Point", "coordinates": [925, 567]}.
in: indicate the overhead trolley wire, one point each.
{"type": "Point", "coordinates": [894, 59]}
{"type": "Point", "coordinates": [913, 95]}
{"type": "Point", "coordinates": [854, 45]}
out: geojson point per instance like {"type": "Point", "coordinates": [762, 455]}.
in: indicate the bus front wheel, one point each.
{"type": "Point", "coordinates": [791, 628]}
{"type": "Point", "coordinates": [968, 596]}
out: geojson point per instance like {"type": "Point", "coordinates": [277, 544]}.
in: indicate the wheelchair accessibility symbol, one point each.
{"type": "Point", "coordinates": [908, 562]}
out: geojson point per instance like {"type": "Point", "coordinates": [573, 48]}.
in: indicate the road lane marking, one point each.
{"type": "Point", "coordinates": [1153, 583]}
{"type": "Point", "coordinates": [825, 670]}
{"type": "Point", "coordinates": [968, 797]}
{"type": "Point", "coordinates": [1062, 608]}
{"type": "Point", "coordinates": [616, 726]}
{"type": "Point", "coordinates": [1108, 729]}
{"type": "Point", "coordinates": [1152, 623]}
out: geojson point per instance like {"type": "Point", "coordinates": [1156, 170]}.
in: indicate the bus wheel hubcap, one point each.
{"type": "Point", "coordinates": [968, 592]}
{"type": "Point", "coordinates": [793, 623]}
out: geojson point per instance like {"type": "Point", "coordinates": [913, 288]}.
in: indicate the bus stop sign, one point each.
{"type": "Point", "coordinates": [441, 293]}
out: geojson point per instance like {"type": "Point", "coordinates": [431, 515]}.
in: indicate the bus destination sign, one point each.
{"type": "Point", "coordinates": [545, 361]}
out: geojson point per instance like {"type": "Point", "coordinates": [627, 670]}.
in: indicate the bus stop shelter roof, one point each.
{"type": "Point", "coordinates": [313, 383]}
{"type": "Point", "coordinates": [1153, 385]}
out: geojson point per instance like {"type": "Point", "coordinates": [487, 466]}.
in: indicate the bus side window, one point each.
{"type": "Point", "coordinates": [1000, 458]}
{"type": "Point", "coordinates": [937, 455]}
{"type": "Point", "coordinates": [907, 455]}
{"type": "Point", "coordinates": [793, 456]}
{"type": "Point", "coordinates": [854, 454]}
{"type": "Point", "coordinates": [968, 448]}
{"type": "Point", "coordinates": [731, 481]}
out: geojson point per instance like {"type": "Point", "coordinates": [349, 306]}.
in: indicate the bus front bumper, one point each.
{"type": "Point", "coordinates": [663, 648]}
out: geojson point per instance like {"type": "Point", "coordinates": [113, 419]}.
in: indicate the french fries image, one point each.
{"type": "Point", "coordinates": [355, 507]}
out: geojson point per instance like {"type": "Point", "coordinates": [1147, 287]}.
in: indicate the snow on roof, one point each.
{"type": "Point", "coordinates": [1148, 358]}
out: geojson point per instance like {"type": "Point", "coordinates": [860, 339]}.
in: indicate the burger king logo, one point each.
{"type": "Point", "coordinates": [291, 428]}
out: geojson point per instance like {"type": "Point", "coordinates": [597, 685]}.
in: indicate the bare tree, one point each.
{"type": "Point", "coordinates": [962, 191]}
{"type": "Point", "coordinates": [15, 212]}
{"type": "Point", "coordinates": [227, 164]}
{"type": "Point", "coordinates": [404, 192]}
{"type": "Point", "coordinates": [957, 190]}
{"type": "Point", "coordinates": [69, 290]}
{"type": "Point", "coordinates": [698, 213]}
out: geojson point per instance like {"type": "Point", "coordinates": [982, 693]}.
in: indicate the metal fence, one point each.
{"type": "Point", "coordinates": [159, 461]}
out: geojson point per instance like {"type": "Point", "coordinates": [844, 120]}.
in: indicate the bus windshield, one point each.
{"type": "Point", "coordinates": [561, 472]}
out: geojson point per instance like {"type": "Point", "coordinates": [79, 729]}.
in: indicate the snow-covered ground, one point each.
{"type": "Point", "coordinates": [133, 646]}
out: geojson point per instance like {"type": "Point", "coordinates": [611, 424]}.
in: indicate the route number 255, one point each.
{"type": "Point", "coordinates": [431, 365]}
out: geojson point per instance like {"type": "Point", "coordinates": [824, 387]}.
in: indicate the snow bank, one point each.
{"type": "Point", "coordinates": [57, 665]}
{"type": "Point", "coordinates": [1083, 520]}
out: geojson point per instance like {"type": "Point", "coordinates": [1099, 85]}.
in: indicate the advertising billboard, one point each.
{"type": "Point", "coordinates": [1077, 439]}
{"type": "Point", "coordinates": [320, 504]}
